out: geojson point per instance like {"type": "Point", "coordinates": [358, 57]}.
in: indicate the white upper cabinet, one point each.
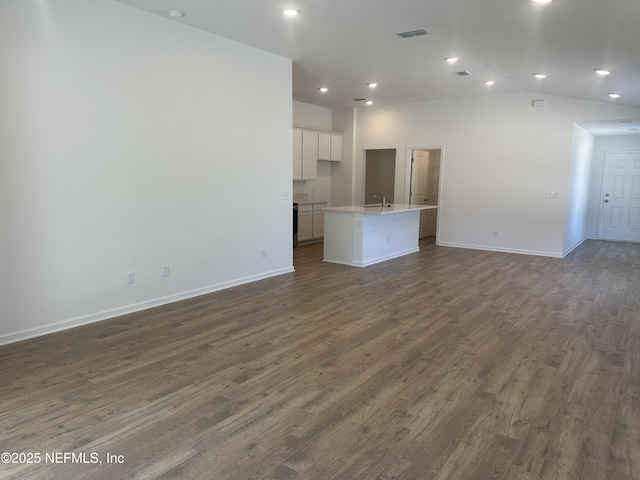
{"type": "Point", "coordinates": [297, 154]}
{"type": "Point", "coordinates": [309, 155]}
{"type": "Point", "coordinates": [336, 147]}
{"type": "Point", "coordinates": [305, 154]}
{"type": "Point", "coordinates": [324, 146]}
{"type": "Point", "coordinates": [309, 146]}
{"type": "Point", "coordinates": [329, 146]}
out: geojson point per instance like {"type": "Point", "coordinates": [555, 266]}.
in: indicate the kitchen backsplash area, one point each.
{"type": "Point", "coordinates": [314, 190]}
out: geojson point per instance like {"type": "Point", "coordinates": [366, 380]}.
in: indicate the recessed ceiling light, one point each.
{"type": "Point", "coordinates": [372, 85]}
{"type": "Point", "coordinates": [540, 75]}
{"type": "Point", "coordinates": [614, 95]}
{"type": "Point", "coordinates": [323, 89]}
{"type": "Point", "coordinates": [602, 72]}
{"type": "Point", "coordinates": [291, 12]}
{"type": "Point", "coordinates": [489, 82]}
{"type": "Point", "coordinates": [451, 59]}
{"type": "Point", "coordinates": [369, 102]}
{"type": "Point", "coordinates": [176, 13]}
{"type": "Point", "coordinates": [543, 1]}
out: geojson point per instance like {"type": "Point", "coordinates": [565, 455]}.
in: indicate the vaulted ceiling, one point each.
{"type": "Point", "coordinates": [345, 44]}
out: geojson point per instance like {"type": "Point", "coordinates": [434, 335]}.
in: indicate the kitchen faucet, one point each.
{"type": "Point", "coordinates": [382, 200]}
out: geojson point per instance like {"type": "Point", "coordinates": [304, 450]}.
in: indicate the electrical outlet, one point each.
{"type": "Point", "coordinates": [166, 271]}
{"type": "Point", "coordinates": [263, 253]}
{"type": "Point", "coordinates": [131, 278]}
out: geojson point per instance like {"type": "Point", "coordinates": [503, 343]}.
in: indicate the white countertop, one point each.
{"type": "Point", "coordinates": [310, 202]}
{"type": "Point", "coordinates": [377, 209]}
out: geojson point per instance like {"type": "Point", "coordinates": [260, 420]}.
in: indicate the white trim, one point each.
{"type": "Point", "coordinates": [373, 261]}
{"type": "Point", "coordinates": [502, 250]}
{"type": "Point", "coordinates": [132, 308]}
{"type": "Point", "coordinates": [570, 249]}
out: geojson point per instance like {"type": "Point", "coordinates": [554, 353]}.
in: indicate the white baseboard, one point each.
{"type": "Point", "coordinates": [375, 260]}
{"type": "Point", "coordinates": [26, 334]}
{"type": "Point", "coordinates": [570, 249]}
{"type": "Point", "coordinates": [486, 248]}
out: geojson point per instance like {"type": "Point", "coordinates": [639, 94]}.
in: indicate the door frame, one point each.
{"type": "Point", "coordinates": [407, 181]}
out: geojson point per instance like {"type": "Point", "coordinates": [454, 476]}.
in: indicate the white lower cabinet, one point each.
{"type": "Point", "coordinates": [311, 221]}
{"type": "Point", "coordinates": [305, 222]}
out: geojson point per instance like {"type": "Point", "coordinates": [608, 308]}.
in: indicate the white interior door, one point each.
{"type": "Point", "coordinates": [620, 212]}
{"type": "Point", "coordinates": [419, 185]}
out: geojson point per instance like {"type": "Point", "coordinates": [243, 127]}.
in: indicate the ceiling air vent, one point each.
{"type": "Point", "coordinates": [463, 73]}
{"type": "Point", "coordinates": [412, 33]}
{"type": "Point", "coordinates": [359, 99]}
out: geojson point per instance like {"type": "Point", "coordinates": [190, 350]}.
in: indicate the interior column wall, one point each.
{"type": "Point", "coordinates": [131, 142]}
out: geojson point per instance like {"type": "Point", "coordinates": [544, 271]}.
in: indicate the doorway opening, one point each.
{"type": "Point", "coordinates": [379, 175]}
{"type": "Point", "coordinates": [424, 184]}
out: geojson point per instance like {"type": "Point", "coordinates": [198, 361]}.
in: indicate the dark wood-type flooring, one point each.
{"type": "Point", "coordinates": [445, 364]}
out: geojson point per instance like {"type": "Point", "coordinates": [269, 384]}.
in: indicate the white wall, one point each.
{"type": "Point", "coordinates": [129, 142]}
{"type": "Point", "coordinates": [578, 189]}
{"type": "Point", "coordinates": [500, 156]}
{"type": "Point", "coordinates": [343, 120]}
{"type": "Point", "coordinates": [601, 146]}
{"type": "Point", "coordinates": [311, 116]}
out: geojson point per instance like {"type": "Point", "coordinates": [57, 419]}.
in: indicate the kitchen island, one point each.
{"type": "Point", "coordinates": [361, 235]}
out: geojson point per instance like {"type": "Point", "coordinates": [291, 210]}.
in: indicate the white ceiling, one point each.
{"type": "Point", "coordinates": [344, 44]}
